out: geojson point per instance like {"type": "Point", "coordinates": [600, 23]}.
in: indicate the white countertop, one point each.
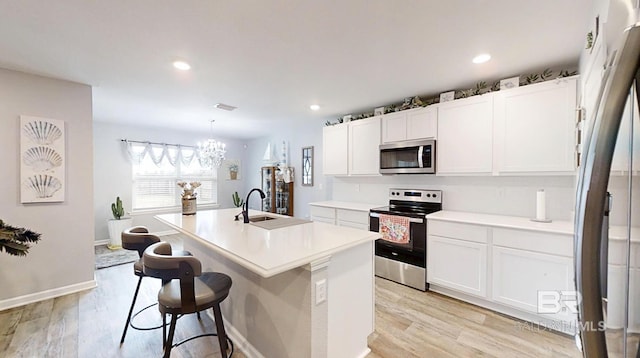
{"type": "Point", "coordinates": [511, 222]}
{"type": "Point", "coordinates": [265, 252]}
{"type": "Point", "coordinates": [346, 205]}
{"type": "Point", "coordinates": [521, 223]}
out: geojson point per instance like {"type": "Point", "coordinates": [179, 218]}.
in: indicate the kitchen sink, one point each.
{"type": "Point", "coordinates": [271, 222]}
{"type": "Point", "coordinates": [259, 218]}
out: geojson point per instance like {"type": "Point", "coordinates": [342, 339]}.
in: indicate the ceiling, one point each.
{"type": "Point", "coordinates": [272, 59]}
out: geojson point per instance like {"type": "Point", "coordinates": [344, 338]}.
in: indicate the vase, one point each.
{"type": "Point", "coordinates": [188, 206]}
{"type": "Point", "coordinates": [233, 175]}
{"type": "Point", "coordinates": [116, 227]}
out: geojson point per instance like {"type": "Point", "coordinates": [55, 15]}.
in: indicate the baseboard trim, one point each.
{"type": "Point", "coordinates": [48, 294]}
{"type": "Point", "coordinates": [158, 233]}
{"type": "Point", "coordinates": [239, 341]}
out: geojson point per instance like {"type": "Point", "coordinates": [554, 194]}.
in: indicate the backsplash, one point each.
{"type": "Point", "coordinates": [514, 196]}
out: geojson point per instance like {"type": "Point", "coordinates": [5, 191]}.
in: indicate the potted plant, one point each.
{"type": "Point", "coordinates": [189, 196]}
{"type": "Point", "coordinates": [233, 171]}
{"type": "Point", "coordinates": [236, 200]}
{"type": "Point", "coordinates": [118, 224]}
{"type": "Point", "coordinates": [16, 240]}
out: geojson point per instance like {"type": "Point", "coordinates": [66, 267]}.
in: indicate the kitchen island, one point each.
{"type": "Point", "coordinates": [304, 290]}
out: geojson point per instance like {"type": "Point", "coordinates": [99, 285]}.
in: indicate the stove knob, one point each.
{"type": "Point", "coordinates": [428, 195]}
{"type": "Point", "coordinates": [434, 195]}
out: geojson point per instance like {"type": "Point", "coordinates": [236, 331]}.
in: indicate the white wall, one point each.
{"type": "Point", "coordinates": [112, 173]}
{"type": "Point", "coordinates": [63, 261]}
{"type": "Point", "coordinates": [297, 135]}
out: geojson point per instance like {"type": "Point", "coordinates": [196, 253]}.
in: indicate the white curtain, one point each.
{"type": "Point", "coordinates": [137, 151]}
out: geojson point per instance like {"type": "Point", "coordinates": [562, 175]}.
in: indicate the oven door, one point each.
{"type": "Point", "coordinates": [413, 253]}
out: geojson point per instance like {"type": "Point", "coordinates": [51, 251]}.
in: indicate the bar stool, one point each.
{"type": "Point", "coordinates": [186, 289]}
{"type": "Point", "coordinates": [138, 238]}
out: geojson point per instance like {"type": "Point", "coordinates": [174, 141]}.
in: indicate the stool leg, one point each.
{"type": "Point", "coordinates": [198, 314]}
{"type": "Point", "coordinates": [222, 335]}
{"type": "Point", "coordinates": [164, 330]}
{"type": "Point", "coordinates": [168, 345]}
{"type": "Point", "coordinates": [133, 303]}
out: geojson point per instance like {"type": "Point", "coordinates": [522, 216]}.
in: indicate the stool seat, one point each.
{"type": "Point", "coordinates": [210, 287]}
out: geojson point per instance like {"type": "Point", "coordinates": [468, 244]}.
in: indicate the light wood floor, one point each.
{"type": "Point", "coordinates": [409, 323]}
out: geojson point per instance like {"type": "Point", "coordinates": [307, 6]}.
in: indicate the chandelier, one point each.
{"type": "Point", "coordinates": [211, 152]}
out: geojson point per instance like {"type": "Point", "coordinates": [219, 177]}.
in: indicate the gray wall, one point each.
{"type": "Point", "coordinates": [63, 260]}
{"type": "Point", "coordinates": [297, 135]}
{"type": "Point", "coordinates": [112, 173]}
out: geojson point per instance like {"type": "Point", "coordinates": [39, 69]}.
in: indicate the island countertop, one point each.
{"type": "Point", "coordinates": [265, 252]}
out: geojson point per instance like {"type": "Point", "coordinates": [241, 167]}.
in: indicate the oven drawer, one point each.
{"type": "Point", "coordinates": [392, 253]}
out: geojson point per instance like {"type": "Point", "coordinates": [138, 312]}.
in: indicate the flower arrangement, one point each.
{"type": "Point", "coordinates": [188, 189]}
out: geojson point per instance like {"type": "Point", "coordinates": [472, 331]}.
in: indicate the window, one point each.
{"type": "Point", "coordinates": [155, 185]}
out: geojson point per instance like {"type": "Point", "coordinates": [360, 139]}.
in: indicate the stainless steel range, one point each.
{"type": "Point", "coordinates": [401, 252]}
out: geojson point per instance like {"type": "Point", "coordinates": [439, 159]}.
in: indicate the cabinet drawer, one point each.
{"type": "Point", "coordinates": [354, 225]}
{"type": "Point", "coordinates": [458, 231]}
{"type": "Point", "coordinates": [360, 217]}
{"type": "Point", "coordinates": [554, 244]}
{"type": "Point", "coordinates": [319, 211]}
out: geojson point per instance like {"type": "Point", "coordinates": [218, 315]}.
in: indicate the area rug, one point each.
{"type": "Point", "coordinates": [106, 257]}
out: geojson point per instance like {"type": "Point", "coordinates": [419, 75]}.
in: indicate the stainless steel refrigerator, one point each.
{"type": "Point", "coordinates": [607, 257]}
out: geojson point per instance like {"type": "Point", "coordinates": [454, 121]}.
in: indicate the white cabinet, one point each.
{"type": "Point", "coordinates": [457, 257]}
{"type": "Point", "coordinates": [353, 218]}
{"type": "Point", "coordinates": [357, 219]}
{"type": "Point", "coordinates": [334, 149]}
{"type": "Point", "coordinates": [520, 275]}
{"type": "Point", "coordinates": [465, 136]}
{"type": "Point", "coordinates": [363, 147]}
{"type": "Point", "coordinates": [535, 128]}
{"type": "Point", "coordinates": [419, 123]}
{"type": "Point", "coordinates": [457, 264]}
{"type": "Point", "coordinates": [323, 214]}
{"type": "Point", "coordinates": [352, 148]}
{"type": "Point", "coordinates": [503, 265]}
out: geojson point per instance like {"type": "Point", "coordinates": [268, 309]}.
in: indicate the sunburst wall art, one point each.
{"type": "Point", "coordinates": [42, 160]}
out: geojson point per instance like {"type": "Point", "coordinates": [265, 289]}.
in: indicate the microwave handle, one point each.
{"type": "Point", "coordinates": [420, 151]}
{"type": "Point", "coordinates": [411, 220]}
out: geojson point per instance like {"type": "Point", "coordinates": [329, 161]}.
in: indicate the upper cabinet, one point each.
{"type": "Point", "coordinates": [334, 149]}
{"type": "Point", "coordinates": [364, 142]}
{"type": "Point", "coordinates": [465, 136]}
{"type": "Point", "coordinates": [535, 128]}
{"type": "Point", "coordinates": [419, 123]}
{"type": "Point", "coordinates": [352, 148]}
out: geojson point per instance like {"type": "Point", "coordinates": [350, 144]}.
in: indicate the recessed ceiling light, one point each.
{"type": "Point", "coordinates": [314, 107]}
{"type": "Point", "coordinates": [181, 65]}
{"type": "Point", "coordinates": [482, 58]}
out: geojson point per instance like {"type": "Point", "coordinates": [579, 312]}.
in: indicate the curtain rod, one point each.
{"type": "Point", "coordinates": [147, 142]}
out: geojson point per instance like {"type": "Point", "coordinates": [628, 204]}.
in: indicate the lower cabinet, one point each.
{"type": "Point", "coordinates": [356, 219]}
{"type": "Point", "coordinates": [525, 279]}
{"type": "Point", "coordinates": [524, 273]}
{"type": "Point", "coordinates": [457, 264]}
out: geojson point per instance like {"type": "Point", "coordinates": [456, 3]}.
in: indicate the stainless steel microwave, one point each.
{"type": "Point", "coordinates": [410, 157]}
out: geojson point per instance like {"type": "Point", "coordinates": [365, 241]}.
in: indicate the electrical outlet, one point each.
{"type": "Point", "coordinates": [321, 291]}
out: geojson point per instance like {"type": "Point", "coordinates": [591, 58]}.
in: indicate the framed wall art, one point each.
{"type": "Point", "coordinates": [42, 160]}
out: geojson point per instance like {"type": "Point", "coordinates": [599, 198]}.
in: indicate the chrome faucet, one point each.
{"type": "Point", "coordinates": [245, 206]}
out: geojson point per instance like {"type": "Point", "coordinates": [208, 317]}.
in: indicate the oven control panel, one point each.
{"type": "Point", "coordinates": [420, 195]}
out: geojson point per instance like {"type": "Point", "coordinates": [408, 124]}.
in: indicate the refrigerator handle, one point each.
{"type": "Point", "coordinates": [604, 252]}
